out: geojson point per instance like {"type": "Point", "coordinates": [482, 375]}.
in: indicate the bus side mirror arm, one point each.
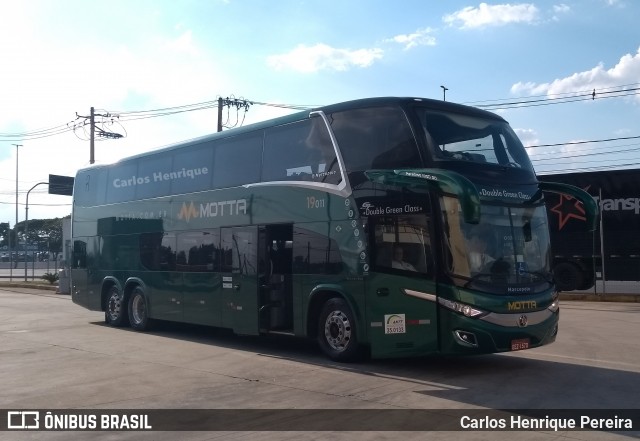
{"type": "Point", "coordinates": [589, 203]}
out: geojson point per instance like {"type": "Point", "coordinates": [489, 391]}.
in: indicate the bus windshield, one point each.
{"type": "Point", "coordinates": [509, 247]}
{"type": "Point", "coordinates": [457, 137]}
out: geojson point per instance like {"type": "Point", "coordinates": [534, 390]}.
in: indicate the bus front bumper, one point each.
{"type": "Point", "coordinates": [496, 332]}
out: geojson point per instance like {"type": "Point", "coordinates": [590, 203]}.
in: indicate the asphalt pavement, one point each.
{"type": "Point", "coordinates": [56, 355]}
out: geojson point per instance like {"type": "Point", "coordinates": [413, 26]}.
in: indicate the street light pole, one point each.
{"type": "Point", "coordinates": [26, 227]}
{"type": "Point", "coordinates": [444, 93]}
{"type": "Point", "coordinates": [15, 226]}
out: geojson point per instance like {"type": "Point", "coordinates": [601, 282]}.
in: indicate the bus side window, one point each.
{"type": "Point", "coordinates": [122, 185]}
{"type": "Point", "coordinates": [150, 244]}
{"type": "Point", "coordinates": [148, 168]}
{"type": "Point", "coordinates": [245, 252]}
{"type": "Point", "coordinates": [226, 250]}
{"type": "Point", "coordinates": [378, 137]}
{"type": "Point", "coordinates": [199, 163]}
{"type": "Point", "coordinates": [300, 151]}
{"type": "Point", "coordinates": [237, 160]}
{"type": "Point", "coordinates": [402, 244]}
{"type": "Point", "coordinates": [158, 251]}
{"type": "Point", "coordinates": [168, 252]}
{"type": "Point", "coordinates": [198, 251]}
{"type": "Point", "coordinates": [314, 252]}
{"type": "Point", "coordinates": [79, 254]}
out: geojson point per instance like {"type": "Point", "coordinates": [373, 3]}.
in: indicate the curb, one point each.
{"type": "Point", "coordinates": [28, 285]}
{"type": "Point", "coordinates": [630, 298]}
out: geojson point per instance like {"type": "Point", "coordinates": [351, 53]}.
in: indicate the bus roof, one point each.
{"type": "Point", "coordinates": [437, 105]}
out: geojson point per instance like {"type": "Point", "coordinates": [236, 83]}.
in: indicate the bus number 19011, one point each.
{"type": "Point", "coordinates": [312, 202]}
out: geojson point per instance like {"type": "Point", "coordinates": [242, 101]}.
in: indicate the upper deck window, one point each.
{"type": "Point", "coordinates": [375, 137]}
{"type": "Point", "coordinates": [300, 151]}
{"type": "Point", "coordinates": [237, 161]}
{"type": "Point", "coordinates": [458, 137]}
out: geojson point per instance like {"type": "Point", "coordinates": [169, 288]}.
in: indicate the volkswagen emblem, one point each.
{"type": "Point", "coordinates": [522, 321]}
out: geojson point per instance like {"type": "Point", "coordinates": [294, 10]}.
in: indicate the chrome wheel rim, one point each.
{"type": "Point", "coordinates": [138, 309]}
{"type": "Point", "coordinates": [114, 305]}
{"type": "Point", "coordinates": [337, 330]}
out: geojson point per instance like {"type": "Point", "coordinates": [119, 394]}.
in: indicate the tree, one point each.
{"type": "Point", "coordinates": [45, 233]}
{"type": "Point", "coordinates": [4, 234]}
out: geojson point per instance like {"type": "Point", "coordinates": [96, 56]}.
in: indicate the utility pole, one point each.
{"type": "Point", "coordinates": [231, 102]}
{"type": "Point", "coordinates": [92, 128]}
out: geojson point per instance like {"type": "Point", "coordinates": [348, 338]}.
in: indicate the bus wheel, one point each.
{"type": "Point", "coordinates": [337, 331]}
{"type": "Point", "coordinates": [567, 276]}
{"type": "Point", "coordinates": [115, 313]}
{"type": "Point", "coordinates": [138, 310]}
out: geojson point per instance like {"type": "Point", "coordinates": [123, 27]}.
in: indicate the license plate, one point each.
{"type": "Point", "coordinates": [518, 345]}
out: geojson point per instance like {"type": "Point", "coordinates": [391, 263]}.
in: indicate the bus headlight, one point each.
{"type": "Point", "coordinates": [554, 306]}
{"type": "Point", "coordinates": [461, 308]}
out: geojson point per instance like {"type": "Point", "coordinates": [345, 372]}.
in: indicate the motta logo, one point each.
{"type": "Point", "coordinates": [187, 211]}
{"type": "Point", "coordinates": [233, 207]}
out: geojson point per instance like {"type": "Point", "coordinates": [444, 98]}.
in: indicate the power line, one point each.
{"type": "Point", "coordinates": [495, 104]}
{"type": "Point", "coordinates": [30, 204]}
{"type": "Point", "coordinates": [583, 142]}
{"type": "Point", "coordinates": [553, 155]}
{"type": "Point", "coordinates": [564, 100]}
{"type": "Point", "coordinates": [108, 119]}
{"type": "Point", "coordinates": [591, 168]}
{"type": "Point", "coordinates": [561, 94]}
{"type": "Point", "coordinates": [592, 93]}
{"type": "Point", "coordinates": [35, 134]}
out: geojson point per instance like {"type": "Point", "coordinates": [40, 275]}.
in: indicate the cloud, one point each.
{"type": "Point", "coordinates": [527, 136]}
{"type": "Point", "coordinates": [627, 71]}
{"type": "Point", "coordinates": [559, 9]}
{"type": "Point", "coordinates": [309, 59]}
{"type": "Point", "coordinates": [492, 15]}
{"type": "Point", "coordinates": [48, 84]}
{"type": "Point", "coordinates": [421, 37]}
{"type": "Point", "coordinates": [185, 44]}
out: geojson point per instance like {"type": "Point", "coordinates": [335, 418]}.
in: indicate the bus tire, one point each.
{"type": "Point", "coordinates": [115, 311]}
{"type": "Point", "coordinates": [337, 333]}
{"type": "Point", "coordinates": [568, 276]}
{"type": "Point", "coordinates": [139, 310]}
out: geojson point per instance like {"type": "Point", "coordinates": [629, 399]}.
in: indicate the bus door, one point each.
{"type": "Point", "coordinates": [275, 264]}
{"type": "Point", "coordinates": [401, 290]}
{"type": "Point", "coordinates": [240, 289]}
{"type": "Point", "coordinates": [79, 278]}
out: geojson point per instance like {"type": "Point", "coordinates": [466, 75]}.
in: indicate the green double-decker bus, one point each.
{"type": "Point", "coordinates": [393, 226]}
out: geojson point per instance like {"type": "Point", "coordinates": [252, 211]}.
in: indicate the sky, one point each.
{"type": "Point", "coordinates": [535, 63]}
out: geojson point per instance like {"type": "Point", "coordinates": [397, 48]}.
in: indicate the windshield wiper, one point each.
{"type": "Point", "coordinates": [546, 276]}
{"type": "Point", "coordinates": [475, 278]}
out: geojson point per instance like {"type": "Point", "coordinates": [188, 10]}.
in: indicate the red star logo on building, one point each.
{"type": "Point", "coordinates": [569, 208]}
